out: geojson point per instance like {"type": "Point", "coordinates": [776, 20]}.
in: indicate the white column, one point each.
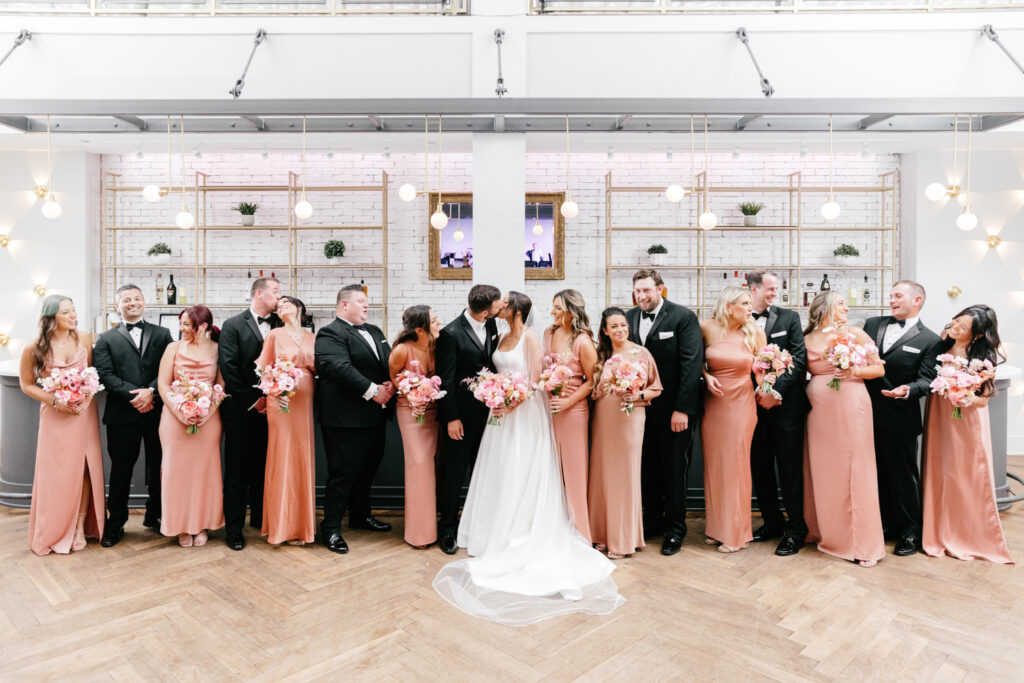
{"type": "Point", "coordinates": [499, 193]}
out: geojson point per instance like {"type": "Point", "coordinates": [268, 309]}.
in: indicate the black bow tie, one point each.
{"type": "Point", "coordinates": [649, 316]}
{"type": "Point", "coordinates": [763, 314]}
{"type": "Point", "coordinates": [260, 321]}
{"type": "Point", "coordinates": [894, 321]}
{"type": "Point", "coordinates": [133, 326]}
{"type": "Point", "coordinates": [361, 328]}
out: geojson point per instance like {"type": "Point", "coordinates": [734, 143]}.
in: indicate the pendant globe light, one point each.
{"type": "Point", "coordinates": [830, 209]}
{"type": "Point", "coordinates": [439, 219]}
{"type": "Point", "coordinates": [538, 229]}
{"type": "Point", "coordinates": [153, 192]}
{"type": "Point", "coordinates": [184, 219]}
{"type": "Point", "coordinates": [458, 234]}
{"type": "Point", "coordinates": [675, 192]}
{"type": "Point", "coordinates": [51, 207]}
{"type": "Point", "coordinates": [938, 191]}
{"type": "Point", "coordinates": [303, 209]}
{"type": "Point", "coordinates": [569, 208]}
{"type": "Point", "coordinates": [967, 221]}
{"type": "Point", "coordinates": [407, 192]}
{"type": "Point", "coordinates": [708, 220]}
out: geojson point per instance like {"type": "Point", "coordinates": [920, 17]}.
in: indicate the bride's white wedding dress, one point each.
{"type": "Point", "coordinates": [528, 561]}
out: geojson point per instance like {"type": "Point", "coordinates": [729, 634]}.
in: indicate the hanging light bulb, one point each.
{"type": "Point", "coordinates": [569, 208]}
{"type": "Point", "coordinates": [439, 219]}
{"type": "Point", "coordinates": [184, 219]}
{"type": "Point", "coordinates": [538, 229]}
{"type": "Point", "coordinates": [153, 192]}
{"type": "Point", "coordinates": [51, 208]}
{"type": "Point", "coordinates": [937, 191]}
{"type": "Point", "coordinates": [967, 221]}
{"type": "Point", "coordinates": [407, 192]}
{"type": "Point", "coordinates": [830, 209]}
{"type": "Point", "coordinates": [458, 234]}
{"type": "Point", "coordinates": [303, 209]}
{"type": "Point", "coordinates": [675, 193]}
{"type": "Point", "coordinates": [707, 220]}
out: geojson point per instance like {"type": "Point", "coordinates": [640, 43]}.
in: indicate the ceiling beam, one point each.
{"type": "Point", "coordinates": [746, 121]}
{"type": "Point", "coordinates": [991, 122]}
{"type": "Point", "coordinates": [873, 120]}
{"type": "Point", "coordinates": [254, 121]}
{"type": "Point", "coordinates": [133, 121]}
{"type": "Point", "coordinates": [621, 122]}
{"type": "Point", "coordinates": [22, 123]}
{"type": "Point", "coordinates": [377, 123]}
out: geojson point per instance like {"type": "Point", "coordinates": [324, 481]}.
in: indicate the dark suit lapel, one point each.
{"type": "Point", "coordinates": [773, 315]}
{"type": "Point", "coordinates": [379, 342]}
{"type": "Point", "coordinates": [633, 318]}
{"type": "Point", "coordinates": [662, 314]}
{"type": "Point", "coordinates": [883, 323]}
{"type": "Point", "coordinates": [147, 333]}
{"type": "Point", "coordinates": [127, 335]}
{"type": "Point", "coordinates": [907, 336]}
{"type": "Point", "coordinates": [468, 331]}
{"type": "Point", "coordinates": [251, 322]}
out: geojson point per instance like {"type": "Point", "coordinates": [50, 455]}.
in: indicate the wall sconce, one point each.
{"type": "Point", "coordinates": [4, 339]}
{"type": "Point", "coordinates": [39, 290]}
{"type": "Point", "coordinates": [4, 240]}
{"type": "Point", "coordinates": [994, 241]}
{"type": "Point", "coordinates": [954, 292]}
{"type": "Point", "coordinates": [40, 191]}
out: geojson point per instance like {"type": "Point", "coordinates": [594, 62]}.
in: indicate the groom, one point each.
{"type": "Point", "coordinates": [464, 347]}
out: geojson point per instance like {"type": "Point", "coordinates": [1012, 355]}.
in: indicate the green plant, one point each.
{"type": "Point", "coordinates": [246, 208]}
{"type": "Point", "coordinates": [158, 248]}
{"type": "Point", "coordinates": [846, 250]}
{"type": "Point", "coordinates": [657, 249]}
{"type": "Point", "coordinates": [334, 249]}
{"type": "Point", "coordinates": [750, 208]}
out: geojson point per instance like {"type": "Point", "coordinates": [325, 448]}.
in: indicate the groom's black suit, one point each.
{"type": "Point", "coordinates": [460, 355]}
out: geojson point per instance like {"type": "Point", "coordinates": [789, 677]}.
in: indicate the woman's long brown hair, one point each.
{"type": "Point", "coordinates": [43, 348]}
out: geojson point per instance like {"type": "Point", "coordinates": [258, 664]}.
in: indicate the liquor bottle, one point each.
{"type": "Point", "coordinates": [854, 295]}
{"type": "Point", "coordinates": [867, 292]}
{"type": "Point", "coordinates": [159, 287]}
{"type": "Point", "coordinates": [248, 286]}
{"type": "Point", "coordinates": [744, 283]}
{"type": "Point", "coordinates": [172, 292]}
{"type": "Point", "coordinates": [825, 286]}
{"type": "Point", "coordinates": [272, 274]}
{"type": "Point", "coordinates": [182, 296]}
{"type": "Point", "coordinates": [363, 285]}
{"type": "Point", "coordinates": [736, 276]}
{"type": "Point", "coordinates": [808, 293]}
{"type": "Point", "coordinates": [785, 291]}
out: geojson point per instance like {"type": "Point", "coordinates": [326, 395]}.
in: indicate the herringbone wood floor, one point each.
{"type": "Point", "coordinates": [149, 610]}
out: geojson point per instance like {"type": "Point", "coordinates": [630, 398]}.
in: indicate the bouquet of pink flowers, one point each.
{"type": "Point", "coordinates": [499, 389]}
{"type": "Point", "coordinates": [195, 398]}
{"type": "Point", "coordinates": [624, 376]}
{"type": "Point", "coordinates": [280, 379]}
{"type": "Point", "coordinates": [774, 362]}
{"type": "Point", "coordinates": [419, 390]}
{"type": "Point", "coordinates": [843, 352]}
{"type": "Point", "coordinates": [555, 376]}
{"type": "Point", "coordinates": [959, 379]}
{"type": "Point", "coordinates": [71, 385]}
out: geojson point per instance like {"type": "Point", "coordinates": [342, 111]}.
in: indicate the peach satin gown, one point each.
{"type": "Point", "coordinates": [67, 449]}
{"type": "Point", "coordinates": [419, 442]}
{"type": "Point", "coordinates": [289, 506]}
{"type": "Point", "coordinates": [727, 429]}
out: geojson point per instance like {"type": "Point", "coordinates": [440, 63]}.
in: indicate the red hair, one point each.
{"type": "Point", "coordinates": [200, 315]}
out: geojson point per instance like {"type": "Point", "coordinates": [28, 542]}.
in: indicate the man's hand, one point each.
{"type": "Point", "coordinates": [260, 406]}
{"type": "Point", "coordinates": [143, 401]}
{"type": "Point", "coordinates": [902, 391]}
{"type": "Point", "coordinates": [680, 421]}
{"type": "Point", "coordinates": [384, 393]}
{"type": "Point", "coordinates": [766, 401]}
{"type": "Point", "coordinates": [455, 431]}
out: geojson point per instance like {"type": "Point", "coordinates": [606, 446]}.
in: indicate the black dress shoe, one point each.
{"type": "Point", "coordinates": [152, 523]}
{"type": "Point", "coordinates": [789, 545]}
{"type": "Point", "coordinates": [335, 543]}
{"type": "Point", "coordinates": [671, 544]}
{"type": "Point", "coordinates": [448, 543]}
{"type": "Point", "coordinates": [236, 541]}
{"type": "Point", "coordinates": [907, 545]}
{"type": "Point", "coordinates": [112, 536]}
{"type": "Point", "coordinates": [766, 533]}
{"type": "Point", "coordinates": [370, 523]}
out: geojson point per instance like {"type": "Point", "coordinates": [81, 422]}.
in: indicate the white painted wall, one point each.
{"type": "Point", "coordinates": [499, 188]}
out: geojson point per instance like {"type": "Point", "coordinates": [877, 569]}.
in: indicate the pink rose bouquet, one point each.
{"type": "Point", "coordinates": [555, 376]}
{"type": "Point", "coordinates": [71, 385]}
{"type": "Point", "coordinates": [195, 398]}
{"type": "Point", "coordinates": [959, 380]}
{"type": "Point", "coordinates": [774, 362]}
{"type": "Point", "coordinates": [624, 376]}
{"type": "Point", "coordinates": [419, 390]}
{"type": "Point", "coordinates": [843, 352]}
{"type": "Point", "coordinates": [499, 389]}
{"type": "Point", "coordinates": [280, 379]}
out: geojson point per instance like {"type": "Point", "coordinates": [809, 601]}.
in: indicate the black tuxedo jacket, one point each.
{"type": "Point", "coordinates": [910, 361]}
{"type": "Point", "coordinates": [460, 355]}
{"type": "Point", "coordinates": [678, 349]}
{"type": "Point", "coordinates": [123, 366]}
{"type": "Point", "coordinates": [783, 328]}
{"type": "Point", "coordinates": [239, 346]}
{"type": "Point", "coordinates": [346, 366]}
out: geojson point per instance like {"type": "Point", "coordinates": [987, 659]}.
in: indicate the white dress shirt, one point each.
{"type": "Point", "coordinates": [893, 332]}
{"type": "Point", "coordinates": [479, 328]}
{"type": "Point", "coordinates": [368, 338]}
{"type": "Point", "coordinates": [762, 322]}
{"type": "Point", "coordinates": [646, 324]}
{"type": "Point", "coordinates": [264, 327]}
{"type": "Point", "coordinates": [136, 334]}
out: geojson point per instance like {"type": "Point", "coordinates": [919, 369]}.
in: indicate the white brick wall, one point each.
{"type": "Point", "coordinates": [585, 246]}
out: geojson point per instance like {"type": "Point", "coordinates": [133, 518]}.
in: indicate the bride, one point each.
{"type": "Point", "coordinates": [528, 561]}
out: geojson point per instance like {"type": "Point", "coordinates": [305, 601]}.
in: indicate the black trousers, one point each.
{"type": "Point", "coordinates": [899, 483]}
{"type": "Point", "coordinates": [123, 442]}
{"type": "Point", "coordinates": [664, 465]}
{"type": "Point", "coordinates": [245, 463]}
{"type": "Point", "coordinates": [779, 443]}
{"type": "Point", "coordinates": [353, 458]}
{"type": "Point", "coordinates": [457, 458]}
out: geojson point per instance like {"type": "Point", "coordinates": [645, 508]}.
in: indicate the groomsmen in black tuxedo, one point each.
{"type": "Point", "coordinates": [909, 350]}
{"type": "Point", "coordinates": [354, 403]}
{"type": "Point", "coordinates": [779, 435]}
{"type": "Point", "coordinates": [244, 414]}
{"type": "Point", "coordinates": [127, 359]}
{"type": "Point", "coordinates": [672, 334]}
{"type": "Point", "coordinates": [464, 347]}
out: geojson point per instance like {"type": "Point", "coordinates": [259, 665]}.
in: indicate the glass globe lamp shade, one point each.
{"type": "Point", "coordinates": [830, 209]}
{"type": "Point", "coordinates": [538, 229]}
{"type": "Point", "coordinates": [151, 193]}
{"type": "Point", "coordinates": [458, 235]}
{"type": "Point", "coordinates": [935, 191]}
{"type": "Point", "coordinates": [966, 221]}
{"type": "Point", "coordinates": [303, 209]}
{"type": "Point", "coordinates": [438, 220]}
{"type": "Point", "coordinates": [184, 220]}
{"type": "Point", "coordinates": [675, 193]}
{"type": "Point", "coordinates": [407, 192]}
{"type": "Point", "coordinates": [707, 220]}
{"type": "Point", "coordinates": [52, 208]}
{"type": "Point", "coordinates": [570, 209]}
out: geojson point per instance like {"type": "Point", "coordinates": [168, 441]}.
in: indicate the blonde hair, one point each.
{"type": "Point", "coordinates": [822, 306]}
{"type": "Point", "coordinates": [720, 313]}
{"type": "Point", "coordinates": [573, 303]}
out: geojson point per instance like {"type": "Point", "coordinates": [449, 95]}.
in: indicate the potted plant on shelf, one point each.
{"type": "Point", "coordinates": [334, 249]}
{"type": "Point", "coordinates": [847, 255]}
{"type": "Point", "coordinates": [750, 211]}
{"type": "Point", "coordinates": [658, 254]}
{"type": "Point", "coordinates": [248, 212]}
{"type": "Point", "coordinates": [159, 253]}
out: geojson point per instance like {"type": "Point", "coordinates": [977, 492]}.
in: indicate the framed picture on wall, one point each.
{"type": "Point", "coordinates": [170, 321]}
{"type": "Point", "coordinates": [450, 251]}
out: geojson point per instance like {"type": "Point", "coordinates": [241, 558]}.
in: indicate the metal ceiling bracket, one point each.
{"type": "Point", "coordinates": [23, 35]}
{"type": "Point", "coordinates": [766, 87]}
{"type": "Point", "coordinates": [990, 33]}
{"type": "Point", "coordinates": [236, 91]}
{"type": "Point", "coordinates": [499, 37]}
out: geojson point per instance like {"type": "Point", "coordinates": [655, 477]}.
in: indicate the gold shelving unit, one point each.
{"type": "Point", "coordinates": [792, 264]}
{"type": "Point", "coordinates": [111, 227]}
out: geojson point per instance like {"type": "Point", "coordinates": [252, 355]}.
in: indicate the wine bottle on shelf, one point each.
{"type": "Point", "coordinates": [825, 285]}
{"type": "Point", "coordinates": [182, 296]}
{"type": "Point", "coordinates": [744, 283]}
{"type": "Point", "coordinates": [785, 291]}
{"type": "Point", "coordinates": [172, 292]}
{"type": "Point", "coordinates": [867, 292]}
{"type": "Point", "coordinates": [808, 293]}
{"type": "Point", "coordinates": [854, 295]}
{"type": "Point", "coordinates": [247, 296]}
{"type": "Point", "coordinates": [159, 288]}
{"type": "Point", "coordinates": [363, 285]}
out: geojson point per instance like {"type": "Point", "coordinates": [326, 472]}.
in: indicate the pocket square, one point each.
{"type": "Point", "coordinates": [493, 337]}
{"type": "Point", "coordinates": [911, 349]}
{"type": "Point", "coordinates": [665, 335]}
{"type": "Point", "coordinates": [778, 334]}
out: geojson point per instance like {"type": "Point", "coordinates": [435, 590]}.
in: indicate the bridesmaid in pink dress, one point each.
{"type": "Point", "coordinates": [840, 480]}
{"type": "Point", "coordinates": [960, 514]}
{"type": "Point", "coordinates": [414, 350]}
{"type": "Point", "coordinates": [730, 414]}
{"type": "Point", "coordinates": [570, 337]}
{"type": "Point", "coordinates": [289, 506]}
{"type": "Point", "coordinates": [67, 489]}
{"type": "Point", "coordinates": [190, 478]}
{"type": "Point", "coordinates": [616, 522]}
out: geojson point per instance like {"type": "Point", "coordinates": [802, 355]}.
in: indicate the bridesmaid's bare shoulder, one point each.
{"type": "Point", "coordinates": [859, 334]}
